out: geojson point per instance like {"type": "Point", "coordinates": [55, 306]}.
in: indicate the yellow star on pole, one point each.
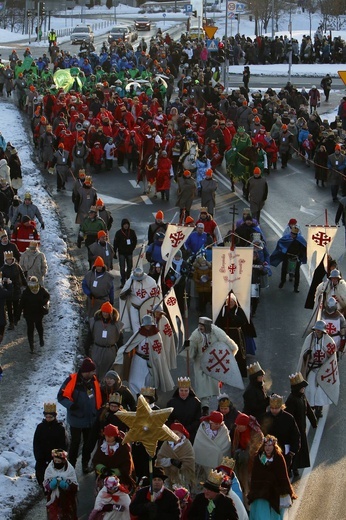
{"type": "Point", "coordinates": [147, 426]}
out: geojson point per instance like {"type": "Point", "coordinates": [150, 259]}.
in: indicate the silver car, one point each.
{"type": "Point", "coordinates": [82, 33]}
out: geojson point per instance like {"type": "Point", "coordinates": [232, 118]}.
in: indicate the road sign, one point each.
{"type": "Point", "coordinates": [188, 8]}
{"type": "Point", "coordinates": [231, 6]}
{"type": "Point", "coordinates": [164, 15]}
{"type": "Point", "coordinates": [212, 45]}
{"type": "Point", "coordinates": [230, 16]}
{"type": "Point", "coordinates": [342, 74]}
{"type": "Point", "coordinates": [210, 31]}
{"type": "Point", "coordinates": [239, 7]}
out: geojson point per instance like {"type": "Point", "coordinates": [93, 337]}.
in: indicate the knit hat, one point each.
{"type": "Point", "coordinates": [215, 417]}
{"type": "Point", "coordinates": [107, 307]}
{"type": "Point", "coordinates": [178, 427]}
{"type": "Point", "coordinates": [99, 203]}
{"type": "Point", "coordinates": [187, 173]}
{"type": "Point", "coordinates": [159, 215]}
{"type": "Point", "coordinates": [159, 473]}
{"type": "Point", "coordinates": [101, 234]}
{"type": "Point", "coordinates": [257, 171]}
{"type": "Point", "coordinates": [25, 219]}
{"type": "Point", "coordinates": [242, 419]}
{"type": "Point", "coordinates": [88, 365]}
{"type": "Point", "coordinates": [189, 220]}
{"type": "Point", "coordinates": [209, 172]}
{"type": "Point", "coordinates": [99, 262]}
{"type": "Point", "coordinates": [111, 430]}
{"type": "Point", "coordinates": [112, 374]}
{"type": "Point", "coordinates": [61, 145]}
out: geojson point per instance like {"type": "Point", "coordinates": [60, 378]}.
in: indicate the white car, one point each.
{"type": "Point", "coordinates": [82, 33]}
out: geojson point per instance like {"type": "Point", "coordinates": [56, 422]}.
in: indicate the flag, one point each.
{"type": "Point", "coordinates": [175, 237]}
{"type": "Point", "coordinates": [173, 310]}
{"type": "Point", "coordinates": [232, 271]}
{"type": "Point", "coordinates": [319, 241]}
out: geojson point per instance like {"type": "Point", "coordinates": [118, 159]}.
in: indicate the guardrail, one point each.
{"type": "Point", "coordinates": [95, 27]}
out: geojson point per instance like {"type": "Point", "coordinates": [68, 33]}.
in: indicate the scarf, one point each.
{"type": "Point", "coordinates": [109, 450]}
{"type": "Point", "coordinates": [68, 474]}
{"type": "Point", "coordinates": [211, 433]}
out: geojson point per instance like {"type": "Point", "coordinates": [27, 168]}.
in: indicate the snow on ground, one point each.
{"type": "Point", "coordinates": [56, 361]}
{"type": "Point", "coordinates": [61, 325]}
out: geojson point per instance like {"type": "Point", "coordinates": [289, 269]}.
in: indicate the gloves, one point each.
{"type": "Point", "coordinates": [63, 484]}
{"type": "Point", "coordinates": [74, 406]}
{"type": "Point", "coordinates": [118, 507]}
{"type": "Point", "coordinates": [42, 225]}
{"type": "Point", "coordinates": [177, 463]}
{"type": "Point", "coordinates": [53, 484]}
{"type": "Point", "coordinates": [186, 343]}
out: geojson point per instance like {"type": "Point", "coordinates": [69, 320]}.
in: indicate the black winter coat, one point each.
{"type": "Point", "coordinates": [298, 406]}
{"type": "Point", "coordinates": [15, 273]}
{"type": "Point", "coordinates": [284, 428]}
{"type": "Point", "coordinates": [224, 508]}
{"type": "Point", "coordinates": [164, 508]}
{"type": "Point", "coordinates": [5, 294]}
{"type": "Point", "coordinates": [47, 437]}
{"type": "Point", "coordinates": [187, 412]}
{"type": "Point", "coordinates": [120, 244]}
{"type": "Point", "coordinates": [32, 304]}
{"type": "Point", "coordinates": [255, 400]}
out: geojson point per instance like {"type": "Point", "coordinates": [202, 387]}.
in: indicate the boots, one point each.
{"type": "Point", "coordinates": [31, 348]}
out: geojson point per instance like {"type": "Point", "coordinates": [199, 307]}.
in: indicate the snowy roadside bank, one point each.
{"type": "Point", "coordinates": [21, 405]}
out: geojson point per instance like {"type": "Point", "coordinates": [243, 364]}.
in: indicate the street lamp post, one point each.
{"type": "Point", "coordinates": [115, 11]}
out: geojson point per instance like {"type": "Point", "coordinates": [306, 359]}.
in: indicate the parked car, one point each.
{"type": "Point", "coordinates": [82, 33]}
{"type": "Point", "coordinates": [143, 24]}
{"type": "Point", "coordinates": [122, 32]}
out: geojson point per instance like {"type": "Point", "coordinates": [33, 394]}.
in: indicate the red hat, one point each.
{"type": "Point", "coordinates": [187, 173]}
{"type": "Point", "coordinates": [107, 307]}
{"type": "Point", "coordinates": [111, 431]}
{"type": "Point", "coordinates": [257, 171]}
{"type": "Point", "coordinates": [101, 234]}
{"type": "Point", "coordinates": [178, 427]}
{"type": "Point", "coordinates": [159, 215]}
{"type": "Point", "coordinates": [215, 417]}
{"type": "Point", "coordinates": [284, 127]}
{"type": "Point", "coordinates": [242, 419]}
{"type": "Point", "coordinates": [88, 365]}
{"type": "Point", "coordinates": [292, 222]}
{"type": "Point", "coordinates": [209, 172]}
{"type": "Point", "coordinates": [99, 262]}
{"type": "Point", "coordinates": [61, 145]}
{"type": "Point", "coordinates": [338, 147]}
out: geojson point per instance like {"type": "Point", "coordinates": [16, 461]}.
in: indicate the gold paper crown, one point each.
{"type": "Point", "coordinates": [224, 400]}
{"type": "Point", "coordinates": [8, 254]}
{"type": "Point", "coordinates": [184, 382]}
{"type": "Point", "coordinates": [148, 391]}
{"type": "Point", "coordinates": [215, 477]}
{"type": "Point", "coordinates": [276, 401]}
{"type": "Point", "coordinates": [254, 368]}
{"type": "Point", "coordinates": [228, 462]}
{"type": "Point", "coordinates": [296, 378]}
{"type": "Point", "coordinates": [49, 407]}
{"type": "Point", "coordinates": [115, 398]}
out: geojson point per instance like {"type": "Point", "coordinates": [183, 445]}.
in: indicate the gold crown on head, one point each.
{"type": "Point", "coordinates": [49, 407]}
{"type": "Point", "coordinates": [228, 462]}
{"type": "Point", "coordinates": [115, 398]}
{"type": "Point", "coordinates": [8, 254]}
{"type": "Point", "coordinates": [296, 378]}
{"type": "Point", "coordinates": [254, 368]}
{"type": "Point", "coordinates": [215, 477]}
{"type": "Point", "coordinates": [148, 391]}
{"type": "Point", "coordinates": [184, 382]}
{"type": "Point", "coordinates": [276, 401]}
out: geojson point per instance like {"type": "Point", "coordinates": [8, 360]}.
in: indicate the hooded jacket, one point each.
{"type": "Point", "coordinates": [125, 240]}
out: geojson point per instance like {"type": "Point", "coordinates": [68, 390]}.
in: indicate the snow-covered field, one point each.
{"type": "Point", "coordinates": [61, 325]}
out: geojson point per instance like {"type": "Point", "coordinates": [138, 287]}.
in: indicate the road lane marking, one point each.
{"type": "Point", "coordinates": [123, 169]}
{"type": "Point", "coordinates": [146, 199]}
{"type": "Point", "coordinates": [113, 200]}
{"type": "Point", "coordinates": [134, 184]}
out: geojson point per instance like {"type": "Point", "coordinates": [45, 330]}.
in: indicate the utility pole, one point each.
{"type": "Point", "coordinates": [226, 64]}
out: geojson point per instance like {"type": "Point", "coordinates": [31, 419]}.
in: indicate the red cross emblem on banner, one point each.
{"type": "Point", "coordinates": [232, 268]}
{"type": "Point", "coordinates": [321, 238]}
{"type": "Point", "coordinates": [171, 301]}
{"type": "Point", "coordinates": [141, 293]}
{"type": "Point", "coordinates": [218, 358]}
{"type": "Point", "coordinates": [176, 238]}
{"type": "Point", "coordinates": [145, 349]}
{"type": "Point", "coordinates": [331, 373]}
{"type": "Point", "coordinates": [330, 328]}
{"type": "Point", "coordinates": [330, 348]}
